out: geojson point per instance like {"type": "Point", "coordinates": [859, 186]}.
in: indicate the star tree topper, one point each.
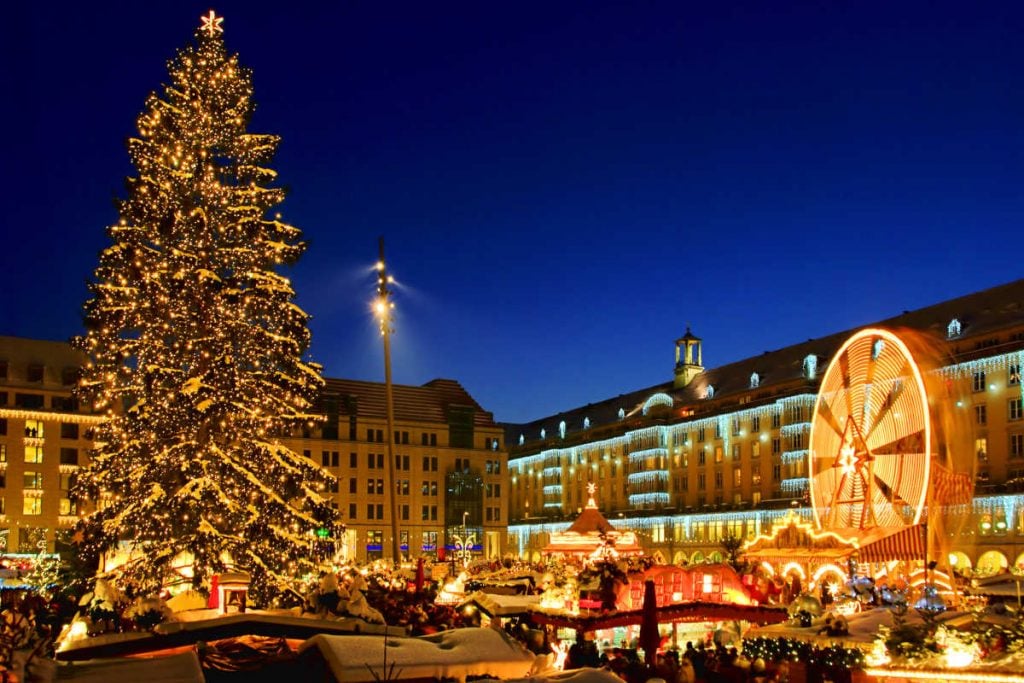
{"type": "Point", "coordinates": [212, 24]}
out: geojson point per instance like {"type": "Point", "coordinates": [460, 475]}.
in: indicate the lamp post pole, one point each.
{"type": "Point", "coordinates": [383, 308]}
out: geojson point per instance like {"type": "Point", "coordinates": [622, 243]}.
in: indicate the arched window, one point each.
{"type": "Point", "coordinates": [755, 380]}
{"type": "Point", "coordinates": [709, 392]}
{"type": "Point", "coordinates": [622, 413]}
{"type": "Point", "coordinates": [953, 329]}
{"type": "Point", "coordinates": [810, 366]}
{"type": "Point", "coordinates": [561, 429]}
{"type": "Point", "coordinates": [586, 423]}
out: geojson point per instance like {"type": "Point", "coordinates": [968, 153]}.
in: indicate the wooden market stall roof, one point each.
{"type": "Point", "coordinates": [684, 611]}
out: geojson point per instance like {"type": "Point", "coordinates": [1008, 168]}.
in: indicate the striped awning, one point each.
{"type": "Point", "coordinates": [906, 543]}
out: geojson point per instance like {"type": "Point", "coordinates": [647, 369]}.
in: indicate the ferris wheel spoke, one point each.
{"type": "Point", "coordinates": [912, 442]}
{"type": "Point", "coordinates": [844, 370]}
{"type": "Point", "coordinates": [825, 411]}
{"type": "Point", "coordinates": [892, 401]}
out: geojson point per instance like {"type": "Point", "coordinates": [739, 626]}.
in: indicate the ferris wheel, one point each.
{"type": "Point", "coordinates": [871, 437]}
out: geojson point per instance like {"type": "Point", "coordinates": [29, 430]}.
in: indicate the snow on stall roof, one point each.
{"type": "Point", "coordinates": [585, 675]}
{"type": "Point", "coordinates": [497, 605]}
{"type": "Point", "coordinates": [179, 668]}
{"type": "Point", "coordinates": [452, 654]}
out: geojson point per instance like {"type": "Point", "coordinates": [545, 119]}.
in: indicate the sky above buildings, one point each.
{"type": "Point", "coordinates": [562, 187]}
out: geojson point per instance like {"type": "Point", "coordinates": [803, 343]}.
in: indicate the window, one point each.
{"type": "Point", "coordinates": [1014, 408]}
{"type": "Point", "coordinates": [755, 423]}
{"type": "Point", "coordinates": [34, 429]}
{"type": "Point", "coordinates": [755, 477]}
{"type": "Point", "coordinates": [776, 446]}
{"type": "Point", "coordinates": [1013, 376]}
{"type": "Point", "coordinates": [981, 448]}
{"type": "Point", "coordinates": [737, 477]}
{"type": "Point", "coordinates": [69, 456]}
{"type": "Point", "coordinates": [776, 472]}
{"type": "Point", "coordinates": [701, 457]}
{"type": "Point", "coordinates": [980, 414]}
{"type": "Point", "coordinates": [353, 460]}
{"type": "Point", "coordinates": [34, 454]}
{"type": "Point", "coordinates": [718, 454]}
{"type": "Point", "coordinates": [796, 414]}
{"type": "Point", "coordinates": [701, 481]}
{"type": "Point", "coordinates": [402, 487]}
{"type": "Point", "coordinates": [1017, 445]}
{"type": "Point", "coordinates": [700, 435]}
{"type": "Point", "coordinates": [68, 430]}
{"type": "Point", "coordinates": [3, 426]}
{"type": "Point", "coordinates": [29, 401]}
{"type": "Point", "coordinates": [351, 510]}
{"type": "Point", "coordinates": [776, 420]}
{"type": "Point", "coordinates": [325, 458]}
{"type": "Point", "coordinates": [796, 441]}
{"type": "Point", "coordinates": [718, 430]}
{"type": "Point", "coordinates": [718, 479]}
{"type": "Point", "coordinates": [978, 381]}
{"type": "Point", "coordinates": [380, 487]}
{"type": "Point", "coordinates": [33, 481]}
{"type": "Point", "coordinates": [735, 425]}
{"type": "Point", "coordinates": [334, 458]}
{"type": "Point", "coordinates": [34, 373]}
{"type": "Point", "coordinates": [32, 505]}
{"type": "Point", "coordinates": [370, 511]}
{"type": "Point", "coordinates": [405, 517]}
{"type": "Point", "coordinates": [755, 449]}
{"type": "Point", "coordinates": [66, 507]}
{"type": "Point", "coordinates": [3, 369]}
{"type": "Point", "coordinates": [352, 485]}
{"type": "Point", "coordinates": [369, 486]}
{"type": "Point", "coordinates": [429, 513]}
{"type": "Point", "coordinates": [735, 451]}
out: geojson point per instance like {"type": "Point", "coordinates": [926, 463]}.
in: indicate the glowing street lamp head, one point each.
{"type": "Point", "coordinates": [380, 307]}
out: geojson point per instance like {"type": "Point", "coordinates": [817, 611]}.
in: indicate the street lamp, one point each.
{"type": "Point", "coordinates": [382, 307]}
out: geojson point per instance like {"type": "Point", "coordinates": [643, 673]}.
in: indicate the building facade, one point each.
{"type": "Point", "coordinates": [723, 452]}
{"type": "Point", "coordinates": [451, 474]}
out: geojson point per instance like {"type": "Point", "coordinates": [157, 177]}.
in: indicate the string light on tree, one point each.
{"type": "Point", "coordinates": [196, 348]}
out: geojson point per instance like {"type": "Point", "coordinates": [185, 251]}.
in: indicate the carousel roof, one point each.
{"type": "Point", "coordinates": [589, 532]}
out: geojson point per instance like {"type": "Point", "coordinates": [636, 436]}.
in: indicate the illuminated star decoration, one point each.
{"type": "Point", "coordinates": [212, 23]}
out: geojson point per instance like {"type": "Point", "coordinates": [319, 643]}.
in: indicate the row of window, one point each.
{"type": "Point", "coordinates": [979, 382]}
{"type": "Point", "coordinates": [1014, 411]}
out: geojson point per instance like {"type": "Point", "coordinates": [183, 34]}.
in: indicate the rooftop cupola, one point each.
{"type": "Point", "coordinates": [689, 362]}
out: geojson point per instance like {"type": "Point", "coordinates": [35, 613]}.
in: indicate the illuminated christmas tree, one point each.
{"type": "Point", "coordinates": [196, 348]}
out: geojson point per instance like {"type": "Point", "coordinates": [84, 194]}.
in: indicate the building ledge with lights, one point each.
{"type": "Point", "coordinates": [716, 452]}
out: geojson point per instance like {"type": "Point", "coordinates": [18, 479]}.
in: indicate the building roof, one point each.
{"type": "Point", "coordinates": [980, 314]}
{"type": "Point", "coordinates": [431, 402]}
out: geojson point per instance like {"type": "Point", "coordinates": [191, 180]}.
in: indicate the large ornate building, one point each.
{"type": "Point", "coordinates": [450, 464]}
{"type": "Point", "coordinates": [723, 451]}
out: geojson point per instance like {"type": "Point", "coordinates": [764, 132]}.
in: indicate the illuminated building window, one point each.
{"type": "Point", "coordinates": [34, 454]}
{"type": "Point", "coordinates": [735, 451]}
{"type": "Point", "coordinates": [737, 477]}
{"type": "Point", "coordinates": [34, 429]}
{"type": "Point", "coordinates": [32, 505]}
{"type": "Point", "coordinates": [1014, 409]}
{"type": "Point", "coordinates": [735, 425]}
{"type": "Point", "coordinates": [755, 380]}
{"type": "Point", "coordinates": [978, 381]}
{"type": "Point", "coordinates": [980, 414]}
{"type": "Point", "coordinates": [755, 477]}
{"type": "Point", "coordinates": [953, 329]}
{"type": "Point", "coordinates": [755, 423]}
{"type": "Point", "coordinates": [3, 452]}
{"type": "Point", "coordinates": [1013, 376]}
{"type": "Point", "coordinates": [981, 448]}
{"type": "Point", "coordinates": [755, 449]}
{"type": "Point", "coordinates": [718, 454]}
{"type": "Point", "coordinates": [810, 366]}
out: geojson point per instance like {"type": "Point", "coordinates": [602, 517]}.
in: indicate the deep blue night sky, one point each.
{"type": "Point", "coordinates": [562, 186]}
